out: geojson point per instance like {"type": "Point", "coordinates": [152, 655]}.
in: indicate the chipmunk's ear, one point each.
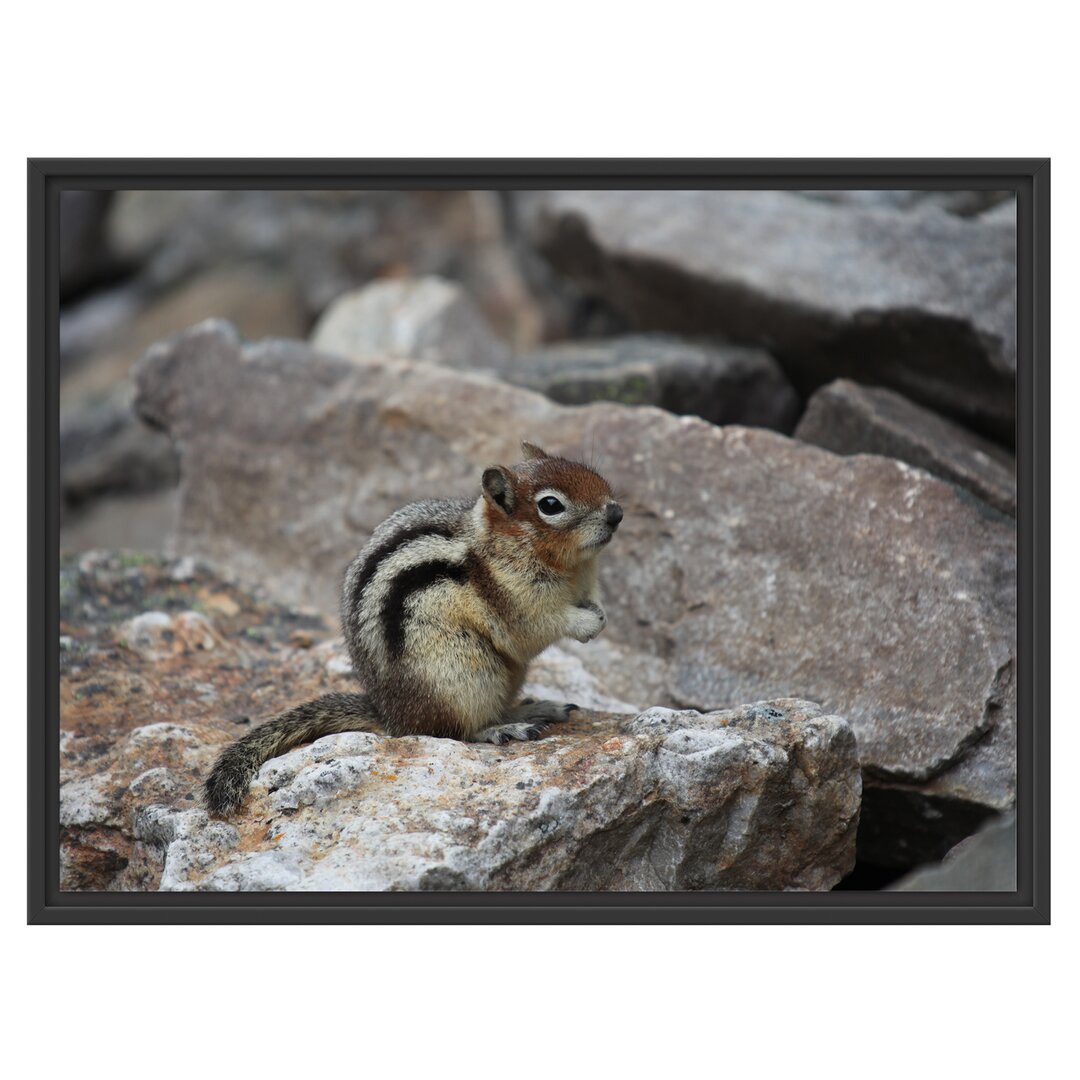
{"type": "Point", "coordinates": [532, 452]}
{"type": "Point", "coordinates": [499, 488]}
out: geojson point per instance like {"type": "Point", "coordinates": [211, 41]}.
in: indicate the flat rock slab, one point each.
{"type": "Point", "coordinates": [762, 797]}
{"type": "Point", "coordinates": [850, 419]}
{"type": "Point", "coordinates": [920, 301]}
{"type": "Point", "coordinates": [163, 663]}
{"type": "Point", "coordinates": [749, 566]}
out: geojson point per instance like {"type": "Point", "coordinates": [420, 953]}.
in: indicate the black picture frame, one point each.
{"type": "Point", "coordinates": [1029, 177]}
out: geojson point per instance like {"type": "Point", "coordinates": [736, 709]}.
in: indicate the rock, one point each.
{"type": "Point", "coordinates": [724, 384]}
{"type": "Point", "coordinates": [762, 797]}
{"type": "Point", "coordinates": [558, 675]}
{"type": "Point", "coordinates": [426, 319]}
{"type": "Point", "coordinates": [960, 203]}
{"type": "Point", "coordinates": [1004, 213]}
{"type": "Point", "coordinates": [151, 687]}
{"type": "Point", "coordinates": [328, 242]}
{"type": "Point", "coordinates": [85, 258]}
{"type": "Point", "coordinates": [260, 303]}
{"type": "Point", "coordinates": [143, 522]}
{"type": "Point", "coordinates": [850, 419]}
{"type": "Point", "coordinates": [98, 847]}
{"type": "Point", "coordinates": [156, 635]}
{"type": "Point", "coordinates": [106, 448]}
{"type": "Point", "coordinates": [436, 320]}
{"type": "Point", "coordinates": [569, 313]}
{"type": "Point", "coordinates": [91, 323]}
{"type": "Point", "coordinates": [984, 862]}
{"type": "Point", "coordinates": [919, 301]}
{"type": "Point", "coordinates": [749, 566]}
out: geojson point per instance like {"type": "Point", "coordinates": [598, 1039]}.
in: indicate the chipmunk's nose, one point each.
{"type": "Point", "coordinates": [613, 514]}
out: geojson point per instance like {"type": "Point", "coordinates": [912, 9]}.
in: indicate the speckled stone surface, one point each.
{"type": "Point", "coordinates": [763, 797]}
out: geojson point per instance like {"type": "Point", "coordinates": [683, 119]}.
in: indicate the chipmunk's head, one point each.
{"type": "Point", "coordinates": [562, 509]}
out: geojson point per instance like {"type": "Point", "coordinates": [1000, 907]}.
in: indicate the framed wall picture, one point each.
{"type": "Point", "coordinates": [552, 541]}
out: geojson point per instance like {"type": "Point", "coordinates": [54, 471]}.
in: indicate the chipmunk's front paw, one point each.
{"type": "Point", "coordinates": [588, 620]}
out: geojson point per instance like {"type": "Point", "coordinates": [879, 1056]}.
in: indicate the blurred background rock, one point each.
{"type": "Point", "coordinates": [848, 323]}
{"type": "Point", "coordinates": [138, 266]}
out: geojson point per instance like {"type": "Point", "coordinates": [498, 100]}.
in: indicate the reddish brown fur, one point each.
{"type": "Point", "coordinates": [581, 483]}
{"type": "Point", "coordinates": [410, 710]}
{"type": "Point", "coordinates": [489, 590]}
{"type": "Point", "coordinates": [501, 525]}
{"type": "Point", "coordinates": [553, 547]}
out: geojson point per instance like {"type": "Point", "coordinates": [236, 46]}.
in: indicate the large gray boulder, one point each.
{"type": "Point", "coordinates": [850, 419]}
{"type": "Point", "coordinates": [917, 300]}
{"type": "Point", "coordinates": [749, 566]}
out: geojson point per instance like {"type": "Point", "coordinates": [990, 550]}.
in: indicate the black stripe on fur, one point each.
{"type": "Point", "coordinates": [406, 584]}
{"type": "Point", "coordinates": [387, 548]}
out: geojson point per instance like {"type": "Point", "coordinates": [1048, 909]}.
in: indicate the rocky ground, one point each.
{"type": "Point", "coordinates": [163, 663]}
{"type": "Point", "coordinates": [805, 401]}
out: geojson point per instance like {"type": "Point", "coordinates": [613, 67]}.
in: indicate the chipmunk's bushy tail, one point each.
{"type": "Point", "coordinates": [228, 782]}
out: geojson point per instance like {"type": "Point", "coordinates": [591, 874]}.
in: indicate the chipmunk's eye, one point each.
{"type": "Point", "coordinates": [550, 506]}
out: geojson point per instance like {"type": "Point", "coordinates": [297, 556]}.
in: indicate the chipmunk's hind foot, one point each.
{"type": "Point", "coordinates": [526, 721]}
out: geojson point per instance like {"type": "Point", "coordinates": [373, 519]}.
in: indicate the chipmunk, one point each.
{"type": "Point", "coordinates": [445, 607]}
